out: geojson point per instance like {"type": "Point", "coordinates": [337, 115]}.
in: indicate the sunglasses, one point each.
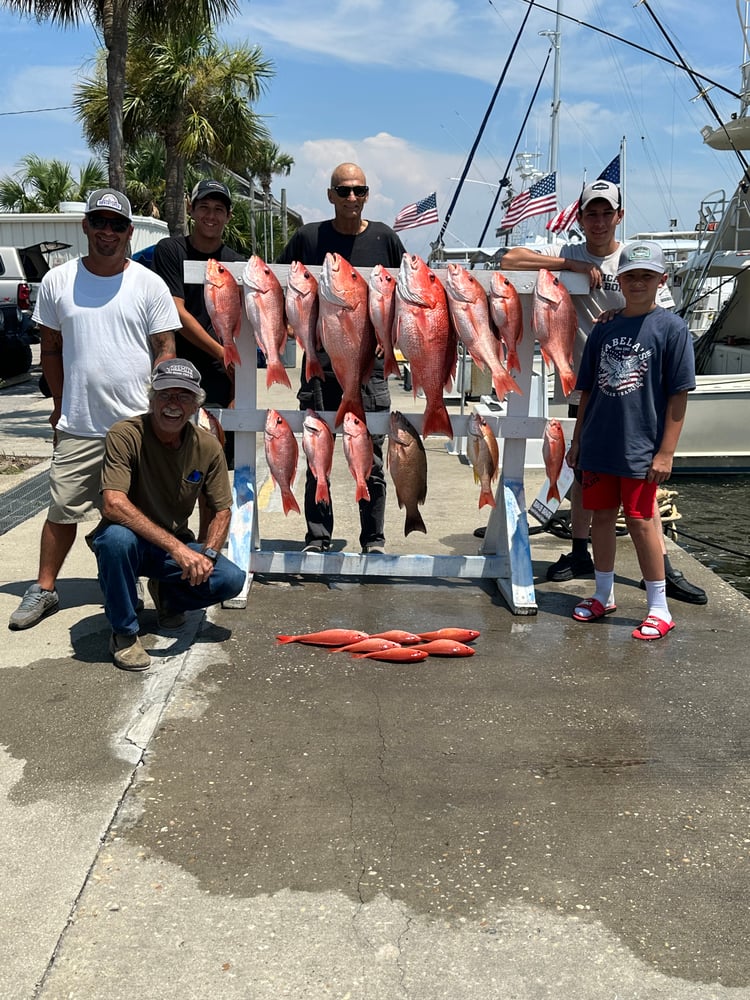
{"type": "Point", "coordinates": [100, 222]}
{"type": "Point", "coordinates": [359, 190]}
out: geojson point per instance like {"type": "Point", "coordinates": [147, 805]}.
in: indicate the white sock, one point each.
{"type": "Point", "coordinates": [656, 598]}
{"type": "Point", "coordinates": [605, 587]}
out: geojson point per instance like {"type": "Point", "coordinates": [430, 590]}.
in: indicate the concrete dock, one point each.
{"type": "Point", "coordinates": [562, 815]}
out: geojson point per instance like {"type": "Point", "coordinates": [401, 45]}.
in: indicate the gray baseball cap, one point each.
{"type": "Point", "coordinates": [177, 373]}
{"type": "Point", "coordinates": [109, 200]}
{"type": "Point", "coordinates": [641, 256]}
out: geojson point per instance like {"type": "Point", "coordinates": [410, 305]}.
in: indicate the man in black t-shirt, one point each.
{"type": "Point", "coordinates": [363, 244]}
{"type": "Point", "coordinates": [210, 211]}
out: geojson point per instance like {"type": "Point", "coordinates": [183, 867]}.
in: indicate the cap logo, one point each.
{"type": "Point", "coordinates": [640, 253]}
{"type": "Point", "coordinates": [109, 201]}
{"type": "Point", "coordinates": [178, 370]}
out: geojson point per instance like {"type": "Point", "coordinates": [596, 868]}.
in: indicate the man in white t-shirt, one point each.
{"type": "Point", "coordinates": [600, 212]}
{"type": "Point", "coordinates": [105, 322]}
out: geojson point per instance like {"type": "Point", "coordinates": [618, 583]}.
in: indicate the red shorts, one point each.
{"type": "Point", "coordinates": [602, 491]}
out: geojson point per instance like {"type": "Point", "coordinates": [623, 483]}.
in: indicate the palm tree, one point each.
{"type": "Point", "coordinates": [144, 176]}
{"type": "Point", "coordinates": [191, 91]}
{"type": "Point", "coordinates": [40, 185]}
{"type": "Point", "coordinates": [267, 162]}
{"type": "Point", "coordinates": [113, 18]}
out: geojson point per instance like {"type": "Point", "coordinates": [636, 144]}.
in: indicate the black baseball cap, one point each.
{"type": "Point", "coordinates": [211, 189]}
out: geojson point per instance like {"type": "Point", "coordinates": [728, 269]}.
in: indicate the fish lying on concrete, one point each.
{"type": "Point", "coordinates": [507, 315]}
{"type": "Point", "coordinates": [301, 302]}
{"type": "Point", "coordinates": [450, 632]}
{"type": "Point", "coordinates": [446, 647]}
{"type": "Point", "coordinates": [398, 635]}
{"type": "Point", "coordinates": [407, 463]}
{"type": "Point", "coordinates": [469, 309]}
{"type": "Point", "coordinates": [264, 306]}
{"type": "Point", "coordinates": [223, 298]}
{"type": "Point", "coordinates": [317, 444]}
{"type": "Point", "coordinates": [372, 644]}
{"type": "Point", "coordinates": [554, 321]}
{"type": "Point", "coordinates": [426, 338]}
{"type": "Point", "coordinates": [328, 637]}
{"type": "Point", "coordinates": [281, 454]}
{"type": "Point", "coordinates": [346, 331]}
{"type": "Point", "coordinates": [553, 453]}
{"type": "Point", "coordinates": [401, 654]}
{"type": "Point", "coordinates": [484, 456]}
{"type": "Point", "coordinates": [359, 453]}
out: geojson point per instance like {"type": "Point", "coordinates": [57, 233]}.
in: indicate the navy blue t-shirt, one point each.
{"type": "Point", "coordinates": [630, 367]}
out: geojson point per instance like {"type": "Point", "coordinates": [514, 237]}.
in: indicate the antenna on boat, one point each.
{"type": "Point", "coordinates": [701, 90]}
{"type": "Point", "coordinates": [437, 246]}
{"type": "Point", "coordinates": [505, 179]}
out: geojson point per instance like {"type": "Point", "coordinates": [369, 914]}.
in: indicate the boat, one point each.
{"type": "Point", "coordinates": [713, 285]}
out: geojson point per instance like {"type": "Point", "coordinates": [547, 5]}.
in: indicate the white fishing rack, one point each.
{"type": "Point", "coordinates": [505, 555]}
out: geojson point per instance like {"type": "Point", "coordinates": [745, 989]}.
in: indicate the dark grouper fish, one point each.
{"type": "Point", "coordinates": [407, 463]}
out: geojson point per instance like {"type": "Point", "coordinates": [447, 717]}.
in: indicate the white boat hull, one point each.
{"type": "Point", "coordinates": [716, 436]}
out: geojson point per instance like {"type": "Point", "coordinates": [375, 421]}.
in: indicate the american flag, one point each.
{"type": "Point", "coordinates": [537, 200]}
{"type": "Point", "coordinates": [561, 222]}
{"type": "Point", "coordinates": [421, 213]}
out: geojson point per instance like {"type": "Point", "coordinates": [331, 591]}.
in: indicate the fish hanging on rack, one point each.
{"type": "Point", "coordinates": [346, 331]}
{"type": "Point", "coordinates": [301, 301]}
{"type": "Point", "coordinates": [264, 306]}
{"type": "Point", "coordinates": [507, 315]}
{"type": "Point", "coordinates": [553, 453]}
{"type": "Point", "coordinates": [223, 298]}
{"type": "Point", "coordinates": [317, 444]}
{"type": "Point", "coordinates": [484, 456]}
{"type": "Point", "coordinates": [407, 464]}
{"type": "Point", "coordinates": [469, 309]}
{"type": "Point", "coordinates": [554, 322]}
{"type": "Point", "coordinates": [426, 338]}
{"type": "Point", "coordinates": [282, 452]}
{"type": "Point", "coordinates": [381, 305]}
{"type": "Point", "coordinates": [359, 453]}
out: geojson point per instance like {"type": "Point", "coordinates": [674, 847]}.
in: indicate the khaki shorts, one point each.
{"type": "Point", "coordinates": [75, 478]}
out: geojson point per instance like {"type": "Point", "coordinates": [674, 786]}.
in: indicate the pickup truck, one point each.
{"type": "Point", "coordinates": [21, 270]}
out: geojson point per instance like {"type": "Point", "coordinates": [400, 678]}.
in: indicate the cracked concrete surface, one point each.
{"type": "Point", "coordinates": [507, 826]}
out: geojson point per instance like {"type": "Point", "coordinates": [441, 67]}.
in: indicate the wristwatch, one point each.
{"type": "Point", "coordinates": [211, 554]}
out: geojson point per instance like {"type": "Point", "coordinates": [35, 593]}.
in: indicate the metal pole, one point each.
{"type": "Point", "coordinates": [439, 241]}
{"type": "Point", "coordinates": [505, 180]}
{"type": "Point", "coordinates": [554, 37]}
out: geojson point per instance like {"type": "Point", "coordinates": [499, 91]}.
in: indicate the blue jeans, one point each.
{"type": "Point", "coordinates": [122, 556]}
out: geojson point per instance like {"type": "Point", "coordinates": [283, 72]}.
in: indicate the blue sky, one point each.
{"type": "Point", "coordinates": [402, 89]}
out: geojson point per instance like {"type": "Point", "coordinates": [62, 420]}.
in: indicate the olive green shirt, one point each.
{"type": "Point", "coordinates": [165, 483]}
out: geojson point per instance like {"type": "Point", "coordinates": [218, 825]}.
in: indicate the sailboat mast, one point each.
{"type": "Point", "coordinates": [554, 37]}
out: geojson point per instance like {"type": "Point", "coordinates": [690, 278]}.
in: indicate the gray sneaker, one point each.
{"type": "Point", "coordinates": [35, 605]}
{"type": "Point", "coordinates": [128, 653]}
{"type": "Point", "coordinates": [166, 616]}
